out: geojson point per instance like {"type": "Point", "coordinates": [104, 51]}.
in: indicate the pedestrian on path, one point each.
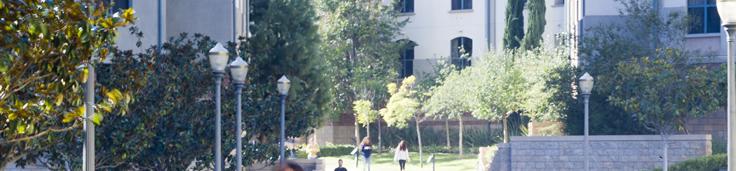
{"type": "Point", "coordinates": [339, 166]}
{"type": "Point", "coordinates": [401, 155]}
{"type": "Point", "coordinates": [367, 149]}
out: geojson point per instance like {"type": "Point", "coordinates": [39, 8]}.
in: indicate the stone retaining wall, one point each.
{"type": "Point", "coordinates": [634, 152]}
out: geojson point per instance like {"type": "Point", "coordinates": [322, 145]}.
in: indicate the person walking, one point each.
{"type": "Point", "coordinates": [339, 166]}
{"type": "Point", "coordinates": [401, 155]}
{"type": "Point", "coordinates": [367, 149]}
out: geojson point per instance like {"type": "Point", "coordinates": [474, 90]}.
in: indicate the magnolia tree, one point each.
{"type": "Point", "coordinates": [41, 85]}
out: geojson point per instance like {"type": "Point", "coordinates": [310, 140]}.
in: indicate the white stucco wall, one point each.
{"type": "Point", "coordinates": [147, 21]}
{"type": "Point", "coordinates": [433, 25]}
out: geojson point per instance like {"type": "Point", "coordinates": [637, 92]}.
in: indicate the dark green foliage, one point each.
{"type": "Point", "coordinates": [284, 42]}
{"type": "Point", "coordinates": [708, 163]}
{"type": "Point", "coordinates": [514, 31]}
{"type": "Point", "coordinates": [533, 37]}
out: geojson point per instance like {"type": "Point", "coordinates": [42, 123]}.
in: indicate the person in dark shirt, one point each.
{"type": "Point", "coordinates": [367, 149]}
{"type": "Point", "coordinates": [339, 167]}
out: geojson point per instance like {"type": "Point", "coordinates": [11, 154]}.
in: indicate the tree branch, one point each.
{"type": "Point", "coordinates": [51, 130]}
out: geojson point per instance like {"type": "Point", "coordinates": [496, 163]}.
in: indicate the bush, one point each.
{"type": "Point", "coordinates": [707, 163]}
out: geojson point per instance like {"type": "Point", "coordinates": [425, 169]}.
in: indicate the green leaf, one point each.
{"type": "Point", "coordinates": [97, 118]}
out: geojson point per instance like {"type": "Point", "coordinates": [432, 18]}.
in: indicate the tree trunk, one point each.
{"type": "Point", "coordinates": [506, 127]}
{"type": "Point", "coordinates": [380, 146]}
{"type": "Point", "coordinates": [419, 140]}
{"type": "Point", "coordinates": [460, 143]}
{"type": "Point", "coordinates": [447, 132]}
{"type": "Point", "coordinates": [368, 130]}
{"type": "Point", "coordinates": [357, 132]}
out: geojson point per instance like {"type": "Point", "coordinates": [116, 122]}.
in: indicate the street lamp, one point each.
{"type": "Point", "coordinates": [586, 86]}
{"type": "Point", "coordinates": [239, 70]}
{"type": "Point", "coordinates": [218, 62]}
{"type": "Point", "coordinates": [727, 11]}
{"type": "Point", "coordinates": [283, 87]}
{"type": "Point", "coordinates": [88, 152]}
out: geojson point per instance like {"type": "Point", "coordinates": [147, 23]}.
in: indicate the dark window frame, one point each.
{"type": "Point", "coordinates": [702, 18]}
{"type": "Point", "coordinates": [455, 57]}
{"type": "Point", "coordinates": [461, 4]}
{"type": "Point", "coordinates": [405, 6]}
{"type": "Point", "coordinates": [407, 61]}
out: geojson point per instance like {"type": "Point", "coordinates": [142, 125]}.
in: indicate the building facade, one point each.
{"type": "Point", "coordinates": [159, 20]}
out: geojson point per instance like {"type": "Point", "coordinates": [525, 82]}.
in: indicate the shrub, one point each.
{"type": "Point", "coordinates": [706, 163]}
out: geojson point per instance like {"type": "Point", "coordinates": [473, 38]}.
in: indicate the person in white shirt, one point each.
{"type": "Point", "coordinates": [401, 154]}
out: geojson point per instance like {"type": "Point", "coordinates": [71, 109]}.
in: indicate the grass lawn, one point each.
{"type": "Point", "coordinates": [385, 162]}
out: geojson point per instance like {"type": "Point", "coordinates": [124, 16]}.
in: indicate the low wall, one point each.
{"type": "Point", "coordinates": [630, 152]}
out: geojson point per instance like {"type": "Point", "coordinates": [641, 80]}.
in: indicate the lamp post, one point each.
{"type": "Point", "coordinates": [727, 11]}
{"type": "Point", "coordinates": [88, 159]}
{"type": "Point", "coordinates": [239, 71]}
{"type": "Point", "coordinates": [218, 62]}
{"type": "Point", "coordinates": [283, 87]}
{"type": "Point", "coordinates": [586, 86]}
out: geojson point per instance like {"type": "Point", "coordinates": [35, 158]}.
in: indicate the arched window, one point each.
{"type": "Point", "coordinates": [462, 4]}
{"type": "Point", "coordinates": [461, 49]}
{"type": "Point", "coordinates": [407, 60]}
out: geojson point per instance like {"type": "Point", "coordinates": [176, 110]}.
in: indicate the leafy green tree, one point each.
{"type": "Point", "coordinates": [365, 114]}
{"type": "Point", "coordinates": [514, 31]}
{"type": "Point", "coordinates": [403, 106]}
{"type": "Point", "coordinates": [664, 90]}
{"type": "Point", "coordinates": [533, 37]}
{"type": "Point", "coordinates": [645, 33]}
{"type": "Point", "coordinates": [359, 43]}
{"type": "Point", "coordinates": [41, 96]}
{"type": "Point", "coordinates": [450, 99]}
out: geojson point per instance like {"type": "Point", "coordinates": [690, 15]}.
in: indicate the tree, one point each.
{"type": "Point", "coordinates": [533, 36]}
{"type": "Point", "coordinates": [359, 43]}
{"type": "Point", "coordinates": [170, 125]}
{"type": "Point", "coordinates": [44, 43]}
{"type": "Point", "coordinates": [365, 114]}
{"type": "Point", "coordinates": [449, 99]}
{"type": "Point", "coordinates": [514, 31]}
{"type": "Point", "coordinates": [402, 106]}
{"type": "Point", "coordinates": [663, 91]}
{"type": "Point", "coordinates": [644, 33]}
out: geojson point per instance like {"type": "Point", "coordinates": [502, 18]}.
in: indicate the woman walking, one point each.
{"type": "Point", "coordinates": [367, 149]}
{"type": "Point", "coordinates": [401, 155]}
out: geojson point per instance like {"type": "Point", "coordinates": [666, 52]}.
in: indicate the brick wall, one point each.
{"type": "Point", "coordinates": [634, 152]}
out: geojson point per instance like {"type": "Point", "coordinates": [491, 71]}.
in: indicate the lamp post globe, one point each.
{"type": "Point", "coordinates": [727, 12]}
{"type": "Point", "coordinates": [586, 86]}
{"type": "Point", "coordinates": [239, 70]}
{"type": "Point", "coordinates": [283, 85]}
{"type": "Point", "coordinates": [218, 58]}
{"type": "Point", "coordinates": [586, 83]}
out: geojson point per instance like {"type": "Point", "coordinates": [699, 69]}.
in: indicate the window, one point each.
{"type": "Point", "coordinates": [118, 5]}
{"type": "Point", "coordinates": [405, 6]}
{"type": "Point", "coordinates": [461, 50]}
{"type": "Point", "coordinates": [407, 61]}
{"type": "Point", "coordinates": [704, 17]}
{"type": "Point", "coordinates": [462, 4]}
